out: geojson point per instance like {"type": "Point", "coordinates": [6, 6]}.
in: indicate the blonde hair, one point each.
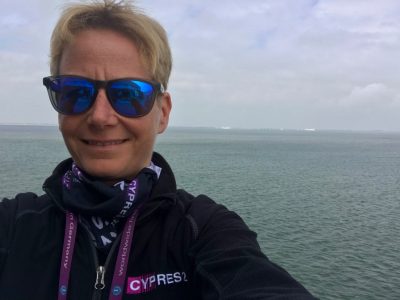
{"type": "Point", "coordinates": [123, 17]}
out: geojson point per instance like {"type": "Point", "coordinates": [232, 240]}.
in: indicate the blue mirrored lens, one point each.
{"type": "Point", "coordinates": [72, 95]}
{"type": "Point", "coordinates": [131, 98]}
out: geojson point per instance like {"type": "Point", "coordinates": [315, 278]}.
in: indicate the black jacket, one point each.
{"type": "Point", "coordinates": [183, 247]}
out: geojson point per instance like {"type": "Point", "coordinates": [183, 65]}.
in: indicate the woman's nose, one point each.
{"type": "Point", "coordinates": [101, 113]}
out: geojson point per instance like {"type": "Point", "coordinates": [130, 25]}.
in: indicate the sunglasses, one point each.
{"type": "Point", "coordinates": [74, 95]}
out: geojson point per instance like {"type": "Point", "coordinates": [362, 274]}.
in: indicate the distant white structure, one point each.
{"type": "Point", "coordinates": [309, 129]}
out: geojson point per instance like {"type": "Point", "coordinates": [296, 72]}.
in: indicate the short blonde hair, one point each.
{"type": "Point", "coordinates": [120, 16]}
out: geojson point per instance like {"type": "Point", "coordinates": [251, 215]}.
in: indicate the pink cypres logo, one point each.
{"type": "Point", "coordinates": [141, 284]}
{"type": "Point", "coordinates": [146, 283]}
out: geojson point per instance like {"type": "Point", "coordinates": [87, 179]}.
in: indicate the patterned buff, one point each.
{"type": "Point", "coordinates": [100, 206]}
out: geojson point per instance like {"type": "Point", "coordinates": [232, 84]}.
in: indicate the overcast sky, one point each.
{"type": "Point", "coordinates": [328, 64]}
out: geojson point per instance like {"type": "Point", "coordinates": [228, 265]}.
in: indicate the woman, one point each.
{"type": "Point", "coordinates": [111, 224]}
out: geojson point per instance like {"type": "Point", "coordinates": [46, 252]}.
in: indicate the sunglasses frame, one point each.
{"type": "Point", "coordinates": [98, 84]}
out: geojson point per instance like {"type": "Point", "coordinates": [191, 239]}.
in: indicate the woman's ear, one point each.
{"type": "Point", "coordinates": [165, 105]}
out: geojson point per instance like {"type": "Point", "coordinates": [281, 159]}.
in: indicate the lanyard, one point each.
{"type": "Point", "coordinates": [68, 250]}
{"type": "Point", "coordinates": [121, 265]}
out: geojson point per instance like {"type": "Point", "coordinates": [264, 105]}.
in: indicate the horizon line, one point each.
{"type": "Point", "coordinates": [228, 128]}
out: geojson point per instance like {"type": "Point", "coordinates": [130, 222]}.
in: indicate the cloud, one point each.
{"type": "Point", "coordinates": [274, 63]}
{"type": "Point", "coordinates": [371, 95]}
{"type": "Point", "coordinates": [11, 21]}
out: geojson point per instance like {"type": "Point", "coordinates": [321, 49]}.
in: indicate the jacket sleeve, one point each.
{"type": "Point", "coordinates": [229, 263]}
{"type": "Point", "coordinates": [8, 210]}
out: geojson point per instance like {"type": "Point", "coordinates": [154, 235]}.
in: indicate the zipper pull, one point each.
{"type": "Point", "coordinates": [99, 285]}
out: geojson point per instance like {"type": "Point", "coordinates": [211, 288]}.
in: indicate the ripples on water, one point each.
{"type": "Point", "coordinates": [325, 205]}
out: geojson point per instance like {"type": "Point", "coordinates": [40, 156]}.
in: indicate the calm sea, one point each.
{"type": "Point", "coordinates": [325, 205]}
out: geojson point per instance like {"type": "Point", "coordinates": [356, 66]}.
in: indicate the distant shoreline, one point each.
{"type": "Point", "coordinates": [227, 129]}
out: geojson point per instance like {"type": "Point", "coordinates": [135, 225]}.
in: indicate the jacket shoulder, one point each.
{"type": "Point", "coordinates": [205, 214]}
{"type": "Point", "coordinates": [228, 261]}
{"type": "Point", "coordinates": [12, 209]}
{"type": "Point", "coordinates": [23, 203]}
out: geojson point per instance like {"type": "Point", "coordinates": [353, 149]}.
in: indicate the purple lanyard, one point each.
{"type": "Point", "coordinates": [68, 250]}
{"type": "Point", "coordinates": [121, 265]}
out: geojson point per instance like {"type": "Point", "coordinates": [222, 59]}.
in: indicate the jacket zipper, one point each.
{"type": "Point", "coordinates": [99, 284]}
{"type": "Point", "coordinates": [100, 272]}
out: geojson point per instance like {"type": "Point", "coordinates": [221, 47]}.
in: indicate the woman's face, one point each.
{"type": "Point", "coordinates": [102, 142]}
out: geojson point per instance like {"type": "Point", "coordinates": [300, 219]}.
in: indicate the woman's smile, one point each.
{"type": "Point", "coordinates": [104, 143]}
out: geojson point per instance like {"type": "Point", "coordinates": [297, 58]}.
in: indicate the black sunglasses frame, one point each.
{"type": "Point", "coordinates": [98, 84]}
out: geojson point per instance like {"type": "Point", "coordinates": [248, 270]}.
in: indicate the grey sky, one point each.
{"type": "Point", "coordinates": [328, 64]}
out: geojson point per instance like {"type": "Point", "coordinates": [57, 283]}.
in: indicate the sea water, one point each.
{"type": "Point", "coordinates": [325, 204]}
